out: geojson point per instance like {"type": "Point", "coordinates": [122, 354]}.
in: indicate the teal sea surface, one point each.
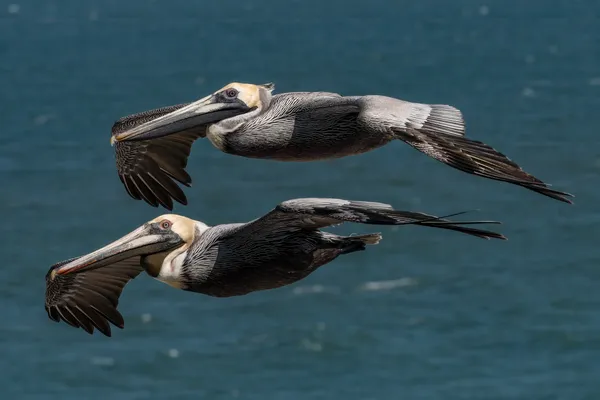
{"type": "Point", "coordinates": [426, 314]}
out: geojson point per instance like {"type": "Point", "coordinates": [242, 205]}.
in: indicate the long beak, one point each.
{"type": "Point", "coordinates": [205, 111]}
{"type": "Point", "coordinates": [142, 241]}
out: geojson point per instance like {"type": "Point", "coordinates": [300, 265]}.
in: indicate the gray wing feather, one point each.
{"type": "Point", "coordinates": [302, 126]}
{"type": "Point", "coordinates": [315, 213]}
{"type": "Point", "coordinates": [295, 103]}
{"type": "Point", "coordinates": [439, 131]}
{"type": "Point", "coordinates": [150, 169]}
{"type": "Point", "coordinates": [308, 95]}
{"type": "Point", "coordinates": [385, 113]}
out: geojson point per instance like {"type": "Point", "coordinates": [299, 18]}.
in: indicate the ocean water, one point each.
{"type": "Point", "coordinates": [426, 314]}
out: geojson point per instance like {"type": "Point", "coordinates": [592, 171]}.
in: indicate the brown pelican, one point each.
{"type": "Point", "coordinates": [277, 249]}
{"type": "Point", "coordinates": [246, 120]}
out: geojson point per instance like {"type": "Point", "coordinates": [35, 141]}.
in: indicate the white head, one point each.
{"type": "Point", "coordinates": [182, 226]}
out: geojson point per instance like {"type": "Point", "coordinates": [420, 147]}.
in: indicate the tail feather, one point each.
{"type": "Point", "coordinates": [439, 137]}
{"type": "Point", "coordinates": [458, 226]}
{"type": "Point", "coordinates": [315, 213]}
{"type": "Point", "coordinates": [397, 217]}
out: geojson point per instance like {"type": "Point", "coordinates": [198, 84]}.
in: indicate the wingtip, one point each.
{"type": "Point", "coordinates": [492, 235]}
{"type": "Point", "coordinates": [166, 207]}
{"type": "Point", "coordinates": [545, 190]}
{"type": "Point", "coordinates": [184, 202]}
{"type": "Point", "coordinates": [107, 333]}
{"type": "Point", "coordinates": [569, 201]}
{"type": "Point", "coordinates": [562, 197]}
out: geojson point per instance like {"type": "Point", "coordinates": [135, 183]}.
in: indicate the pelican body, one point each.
{"type": "Point", "coordinates": [247, 120]}
{"type": "Point", "coordinates": [275, 250]}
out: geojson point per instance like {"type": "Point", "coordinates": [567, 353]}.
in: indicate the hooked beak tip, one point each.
{"type": "Point", "coordinates": [52, 274]}
{"type": "Point", "coordinates": [125, 137]}
{"type": "Point", "coordinates": [119, 137]}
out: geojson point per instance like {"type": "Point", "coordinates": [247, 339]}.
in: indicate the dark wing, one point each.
{"type": "Point", "coordinates": [438, 131]}
{"type": "Point", "coordinates": [89, 299]}
{"type": "Point", "coordinates": [149, 168]}
{"type": "Point", "coordinates": [315, 213]}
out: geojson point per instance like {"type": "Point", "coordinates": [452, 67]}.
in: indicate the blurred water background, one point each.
{"type": "Point", "coordinates": [427, 314]}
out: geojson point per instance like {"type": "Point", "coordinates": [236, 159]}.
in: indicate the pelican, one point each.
{"type": "Point", "coordinates": [246, 120]}
{"type": "Point", "coordinates": [275, 250]}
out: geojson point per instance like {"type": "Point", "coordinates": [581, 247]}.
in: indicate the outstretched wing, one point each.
{"type": "Point", "coordinates": [89, 299]}
{"type": "Point", "coordinates": [439, 132]}
{"type": "Point", "coordinates": [315, 213]}
{"type": "Point", "coordinates": [149, 169]}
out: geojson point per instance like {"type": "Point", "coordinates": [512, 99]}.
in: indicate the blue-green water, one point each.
{"type": "Point", "coordinates": [456, 317]}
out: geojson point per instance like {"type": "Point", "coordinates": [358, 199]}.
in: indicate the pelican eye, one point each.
{"type": "Point", "coordinates": [231, 93]}
{"type": "Point", "coordinates": [165, 224]}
